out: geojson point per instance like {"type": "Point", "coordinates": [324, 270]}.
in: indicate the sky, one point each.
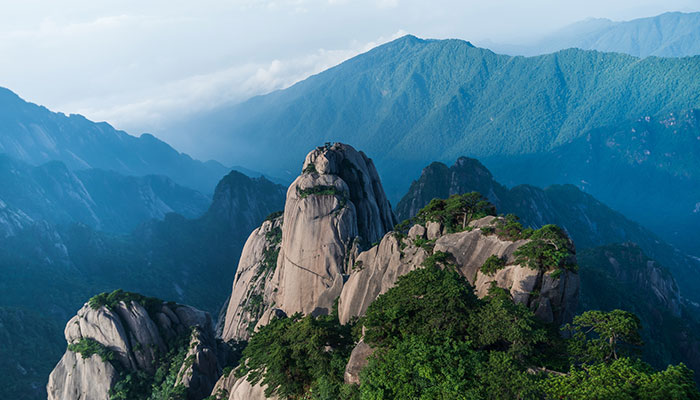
{"type": "Point", "coordinates": [144, 65]}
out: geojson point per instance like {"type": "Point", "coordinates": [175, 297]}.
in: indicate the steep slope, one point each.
{"type": "Point", "coordinates": [672, 34]}
{"type": "Point", "coordinates": [622, 276]}
{"type": "Point", "coordinates": [422, 100]}
{"type": "Point", "coordinates": [655, 164]}
{"type": "Point", "coordinates": [49, 271]}
{"type": "Point", "coordinates": [35, 135]}
{"type": "Point", "coordinates": [103, 200]}
{"type": "Point", "coordinates": [589, 222]}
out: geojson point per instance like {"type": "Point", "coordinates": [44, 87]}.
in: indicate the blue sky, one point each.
{"type": "Point", "coordinates": [141, 64]}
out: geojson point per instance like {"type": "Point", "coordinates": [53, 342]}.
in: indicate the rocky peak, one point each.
{"type": "Point", "coordinates": [357, 171]}
{"type": "Point", "coordinates": [334, 206]}
{"type": "Point", "coordinates": [440, 181]}
{"type": "Point", "coordinates": [117, 339]}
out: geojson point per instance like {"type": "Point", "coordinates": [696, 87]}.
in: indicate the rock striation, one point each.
{"type": "Point", "coordinates": [132, 335]}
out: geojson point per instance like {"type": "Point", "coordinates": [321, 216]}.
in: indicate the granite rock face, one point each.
{"type": "Point", "coordinates": [333, 208]}
{"type": "Point", "coordinates": [253, 288]}
{"type": "Point", "coordinates": [553, 296]}
{"type": "Point", "coordinates": [134, 337]}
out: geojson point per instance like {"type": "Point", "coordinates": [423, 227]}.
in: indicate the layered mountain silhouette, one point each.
{"type": "Point", "coordinates": [49, 269]}
{"type": "Point", "coordinates": [36, 135]}
{"type": "Point", "coordinates": [672, 34]}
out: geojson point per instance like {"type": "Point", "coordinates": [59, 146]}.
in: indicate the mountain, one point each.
{"type": "Point", "coordinates": [49, 270]}
{"type": "Point", "coordinates": [103, 200]}
{"type": "Point", "coordinates": [654, 160]}
{"type": "Point", "coordinates": [461, 303]}
{"type": "Point", "coordinates": [589, 222]}
{"type": "Point", "coordinates": [672, 34]}
{"type": "Point", "coordinates": [413, 101]}
{"type": "Point", "coordinates": [35, 135]}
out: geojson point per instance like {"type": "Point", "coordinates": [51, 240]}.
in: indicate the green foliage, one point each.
{"type": "Point", "coordinates": [455, 212]}
{"type": "Point", "coordinates": [502, 376]}
{"type": "Point", "coordinates": [419, 368]}
{"type": "Point", "coordinates": [549, 249]}
{"type": "Point", "coordinates": [622, 379]}
{"type": "Point", "coordinates": [429, 302]}
{"type": "Point", "coordinates": [112, 300]}
{"type": "Point", "coordinates": [294, 355]}
{"type": "Point", "coordinates": [88, 346]}
{"type": "Point", "coordinates": [508, 228]}
{"type": "Point", "coordinates": [320, 190]}
{"type": "Point", "coordinates": [500, 324]}
{"type": "Point", "coordinates": [311, 168]}
{"type": "Point", "coordinates": [604, 336]}
{"type": "Point", "coordinates": [274, 215]}
{"type": "Point", "coordinates": [493, 264]}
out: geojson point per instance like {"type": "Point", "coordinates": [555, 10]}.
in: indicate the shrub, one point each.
{"type": "Point", "coordinates": [549, 249]}
{"type": "Point", "coordinates": [456, 212]}
{"type": "Point", "coordinates": [111, 300]}
{"type": "Point", "coordinates": [87, 347]}
{"type": "Point", "coordinates": [493, 264]}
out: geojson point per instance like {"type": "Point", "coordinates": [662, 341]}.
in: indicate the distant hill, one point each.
{"type": "Point", "coordinates": [103, 200]}
{"type": "Point", "coordinates": [35, 135]}
{"type": "Point", "coordinates": [673, 34]}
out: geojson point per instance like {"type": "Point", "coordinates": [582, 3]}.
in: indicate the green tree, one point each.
{"type": "Point", "coordinates": [294, 355]}
{"type": "Point", "coordinates": [456, 212]}
{"type": "Point", "coordinates": [604, 336]}
{"type": "Point", "coordinates": [418, 368]}
{"type": "Point", "coordinates": [500, 324]}
{"type": "Point", "coordinates": [430, 302]}
{"type": "Point", "coordinates": [622, 379]}
{"type": "Point", "coordinates": [549, 249]}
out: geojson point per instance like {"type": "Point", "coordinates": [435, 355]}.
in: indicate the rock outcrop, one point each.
{"type": "Point", "coordinates": [132, 334]}
{"type": "Point", "coordinates": [552, 295]}
{"type": "Point", "coordinates": [332, 209]}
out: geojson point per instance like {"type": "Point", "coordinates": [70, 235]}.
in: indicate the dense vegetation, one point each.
{"type": "Point", "coordinates": [454, 213]}
{"type": "Point", "coordinates": [434, 339]}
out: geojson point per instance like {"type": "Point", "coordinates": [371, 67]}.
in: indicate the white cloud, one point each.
{"type": "Point", "coordinates": [156, 108]}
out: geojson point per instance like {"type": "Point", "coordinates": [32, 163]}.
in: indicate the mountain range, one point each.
{"type": "Point", "coordinates": [672, 34]}
{"type": "Point", "coordinates": [604, 145]}
{"type": "Point", "coordinates": [414, 101]}
{"type": "Point", "coordinates": [36, 135]}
